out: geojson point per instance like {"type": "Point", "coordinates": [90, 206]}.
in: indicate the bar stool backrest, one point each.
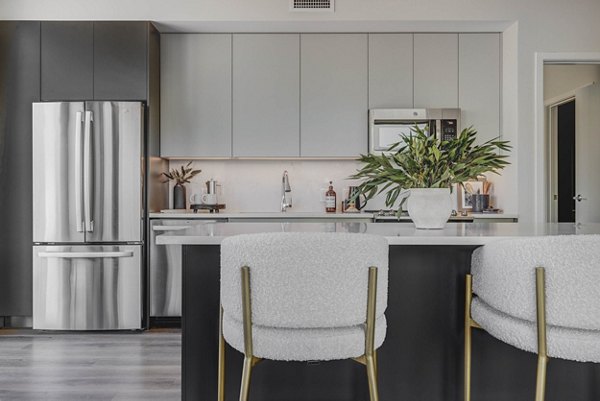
{"type": "Point", "coordinates": [304, 280]}
{"type": "Point", "coordinates": [504, 278]}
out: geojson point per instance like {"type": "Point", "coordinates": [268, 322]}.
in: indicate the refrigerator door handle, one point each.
{"type": "Point", "coordinates": [78, 172]}
{"type": "Point", "coordinates": [88, 174]}
{"type": "Point", "coordinates": [75, 255]}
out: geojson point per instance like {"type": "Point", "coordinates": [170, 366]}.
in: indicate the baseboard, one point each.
{"type": "Point", "coordinates": [16, 322]}
{"type": "Point", "coordinates": [171, 322]}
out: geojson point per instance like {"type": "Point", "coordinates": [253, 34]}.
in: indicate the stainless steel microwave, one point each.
{"type": "Point", "coordinates": [389, 126]}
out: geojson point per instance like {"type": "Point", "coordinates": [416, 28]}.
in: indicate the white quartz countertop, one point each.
{"type": "Point", "coordinates": [206, 233]}
{"type": "Point", "coordinates": [188, 214]}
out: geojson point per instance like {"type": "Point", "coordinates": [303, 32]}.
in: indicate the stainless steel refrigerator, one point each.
{"type": "Point", "coordinates": [88, 216]}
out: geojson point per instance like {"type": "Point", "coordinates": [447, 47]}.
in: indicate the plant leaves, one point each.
{"type": "Point", "coordinates": [423, 161]}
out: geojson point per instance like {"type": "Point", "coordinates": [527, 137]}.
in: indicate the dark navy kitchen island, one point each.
{"type": "Point", "coordinates": [422, 356]}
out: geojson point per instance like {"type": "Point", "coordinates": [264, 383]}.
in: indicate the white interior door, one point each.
{"type": "Point", "coordinates": [587, 145]}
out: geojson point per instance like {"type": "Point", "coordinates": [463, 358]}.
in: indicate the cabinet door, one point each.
{"type": "Point", "coordinates": [67, 61]}
{"type": "Point", "coordinates": [333, 89]}
{"type": "Point", "coordinates": [19, 87]}
{"type": "Point", "coordinates": [479, 88]}
{"type": "Point", "coordinates": [390, 71]}
{"type": "Point", "coordinates": [266, 90]}
{"type": "Point", "coordinates": [436, 70]}
{"type": "Point", "coordinates": [196, 95]}
{"type": "Point", "coordinates": [120, 60]}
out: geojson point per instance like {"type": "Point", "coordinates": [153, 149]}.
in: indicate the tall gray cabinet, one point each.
{"type": "Point", "coordinates": [19, 87]}
{"type": "Point", "coordinates": [333, 109]}
{"type": "Point", "coordinates": [266, 95]}
{"type": "Point", "coordinates": [196, 95]}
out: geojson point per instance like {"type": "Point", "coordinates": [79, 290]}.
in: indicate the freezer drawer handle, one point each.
{"type": "Point", "coordinates": [74, 255]}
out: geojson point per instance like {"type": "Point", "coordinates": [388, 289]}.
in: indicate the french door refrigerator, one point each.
{"type": "Point", "coordinates": [88, 215]}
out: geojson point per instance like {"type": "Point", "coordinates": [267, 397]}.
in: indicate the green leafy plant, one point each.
{"type": "Point", "coordinates": [423, 161]}
{"type": "Point", "coordinates": [181, 175]}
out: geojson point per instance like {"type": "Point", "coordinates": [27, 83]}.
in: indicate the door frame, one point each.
{"type": "Point", "coordinates": [541, 157]}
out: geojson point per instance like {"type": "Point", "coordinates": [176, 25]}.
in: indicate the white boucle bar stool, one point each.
{"type": "Point", "coordinates": [303, 297]}
{"type": "Point", "coordinates": [540, 295]}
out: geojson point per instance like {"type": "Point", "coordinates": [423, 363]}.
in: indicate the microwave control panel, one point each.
{"type": "Point", "coordinates": [449, 129]}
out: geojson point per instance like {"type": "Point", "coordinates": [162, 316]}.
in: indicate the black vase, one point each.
{"type": "Point", "coordinates": [179, 196]}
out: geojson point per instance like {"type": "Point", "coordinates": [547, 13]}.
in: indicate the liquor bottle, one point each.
{"type": "Point", "coordinates": [330, 199]}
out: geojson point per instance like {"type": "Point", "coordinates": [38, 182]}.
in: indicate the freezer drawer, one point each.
{"type": "Point", "coordinates": [87, 287]}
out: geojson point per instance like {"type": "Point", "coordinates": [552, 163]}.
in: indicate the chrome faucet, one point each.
{"type": "Point", "coordinates": [286, 192]}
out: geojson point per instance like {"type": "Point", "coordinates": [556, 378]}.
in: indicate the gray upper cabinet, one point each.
{"type": "Point", "coordinates": [196, 95]}
{"type": "Point", "coordinates": [390, 71]}
{"type": "Point", "coordinates": [67, 61]}
{"type": "Point", "coordinates": [436, 70]}
{"type": "Point", "coordinates": [333, 87]}
{"type": "Point", "coordinates": [120, 60]}
{"type": "Point", "coordinates": [266, 90]}
{"type": "Point", "coordinates": [479, 83]}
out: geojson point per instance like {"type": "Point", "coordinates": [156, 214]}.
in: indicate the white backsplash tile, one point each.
{"type": "Point", "coordinates": [255, 185]}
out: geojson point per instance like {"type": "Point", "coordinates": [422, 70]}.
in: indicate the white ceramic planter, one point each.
{"type": "Point", "coordinates": [429, 208]}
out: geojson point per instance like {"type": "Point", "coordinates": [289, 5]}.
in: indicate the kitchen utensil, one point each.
{"type": "Point", "coordinates": [354, 192]}
{"type": "Point", "coordinates": [195, 199]}
{"type": "Point", "coordinates": [211, 186]}
{"type": "Point", "coordinates": [209, 199]}
{"type": "Point", "coordinates": [480, 202]}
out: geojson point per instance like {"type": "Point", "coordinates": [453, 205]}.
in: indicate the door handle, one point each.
{"type": "Point", "coordinates": [78, 172]}
{"type": "Point", "coordinates": [75, 255]}
{"type": "Point", "coordinates": [88, 173]}
{"type": "Point", "coordinates": [579, 198]}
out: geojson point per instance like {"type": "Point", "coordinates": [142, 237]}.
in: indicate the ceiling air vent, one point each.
{"type": "Point", "coordinates": [311, 5]}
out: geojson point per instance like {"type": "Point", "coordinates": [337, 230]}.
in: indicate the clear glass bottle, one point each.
{"type": "Point", "coordinates": [330, 199]}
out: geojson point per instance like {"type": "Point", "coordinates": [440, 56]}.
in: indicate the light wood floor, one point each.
{"type": "Point", "coordinates": [65, 367]}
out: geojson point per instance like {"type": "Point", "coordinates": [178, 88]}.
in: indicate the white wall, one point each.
{"type": "Point", "coordinates": [564, 79]}
{"type": "Point", "coordinates": [543, 26]}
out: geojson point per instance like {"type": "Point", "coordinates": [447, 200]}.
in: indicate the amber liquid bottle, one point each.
{"type": "Point", "coordinates": [330, 199]}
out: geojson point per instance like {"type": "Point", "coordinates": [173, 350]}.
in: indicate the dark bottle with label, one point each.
{"type": "Point", "coordinates": [330, 199]}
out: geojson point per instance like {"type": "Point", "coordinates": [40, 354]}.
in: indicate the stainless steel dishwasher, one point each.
{"type": "Point", "coordinates": [165, 267]}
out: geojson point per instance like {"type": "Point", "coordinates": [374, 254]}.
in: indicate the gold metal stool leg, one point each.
{"type": "Point", "coordinates": [467, 373]}
{"type": "Point", "coordinates": [540, 385]}
{"type": "Point", "coordinates": [246, 374]}
{"type": "Point", "coordinates": [372, 377]}
{"type": "Point", "coordinates": [247, 315]}
{"type": "Point", "coordinates": [221, 374]}
{"type": "Point", "coordinates": [370, 352]}
{"type": "Point", "coordinates": [540, 286]}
